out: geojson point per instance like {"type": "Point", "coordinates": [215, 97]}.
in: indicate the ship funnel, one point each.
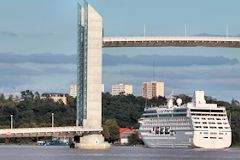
{"type": "Point", "coordinates": [198, 97]}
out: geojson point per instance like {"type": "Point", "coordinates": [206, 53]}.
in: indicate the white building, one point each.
{"type": "Point", "coordinates": [73, 90]}
{"type": "Point", "coordinates": [152, 89]}
{"type": "Point", "coordinates": [122, 88]}
{"type": "Point", "coordinates": [56, 97]}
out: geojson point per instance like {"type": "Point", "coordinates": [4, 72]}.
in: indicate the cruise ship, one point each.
{"type": "Point", "coordinates": [196, 124]}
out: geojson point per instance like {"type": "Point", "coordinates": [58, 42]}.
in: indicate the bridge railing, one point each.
{"type": "Point", "coordinates": [46, 129]}
{"type": "Point", "coordinates": [151, 38]}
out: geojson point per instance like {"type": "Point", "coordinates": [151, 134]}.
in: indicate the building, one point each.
{"type": "Point", "coordinates": [73, 90]}
{"type": "Point", "coordinates": [124, 134]}
{"type": "Point", "coordinates": [122, 88]}
{"type": "Point", "coordinates": [152, 89]}
{"type": "Point", "coordinates": [56, 97]}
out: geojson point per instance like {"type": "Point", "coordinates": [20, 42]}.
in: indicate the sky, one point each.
{"type": "Point", "coordinates": [38, 45]}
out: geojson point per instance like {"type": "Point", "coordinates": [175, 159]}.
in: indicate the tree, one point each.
{"type": "Point", "coordinates": [113, 130]}
{"type": "Point", "coordinates": [27, 95]}
{"type": "Point", "coordinates": [133, 139]}
{"type": "Point", "coordinates": [36, 96]}
{"type": "Point", "coordinates": [2, 97]}
{"type": "Point", "coordinates": [10, 97]}
{"type": "Point", "coordinates": [105, 132]}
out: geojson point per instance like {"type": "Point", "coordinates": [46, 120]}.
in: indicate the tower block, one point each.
{"type": "Point", "coordinates": [89, 78]}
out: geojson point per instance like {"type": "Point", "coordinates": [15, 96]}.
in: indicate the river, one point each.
{"type": "Point", "coordinates": [116, 153]}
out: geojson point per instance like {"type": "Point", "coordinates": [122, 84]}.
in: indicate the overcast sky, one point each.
{"type": "Point", "coordinates": [38, 45]}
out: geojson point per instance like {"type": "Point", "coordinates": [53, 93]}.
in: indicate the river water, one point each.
{"type": "Point", "coordinates": [116, 153]}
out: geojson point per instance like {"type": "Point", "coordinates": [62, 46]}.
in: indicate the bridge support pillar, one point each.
{"type": "Point", "coordinates": [89, 79]}
{"type": "Point", "coordinates": [92, 141]}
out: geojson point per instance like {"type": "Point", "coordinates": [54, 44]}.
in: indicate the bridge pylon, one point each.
{"type": "Point", "coordinates": [89, 77]}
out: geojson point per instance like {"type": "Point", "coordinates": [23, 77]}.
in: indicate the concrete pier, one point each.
{"type": "Point", "coordinates": [93, 141]}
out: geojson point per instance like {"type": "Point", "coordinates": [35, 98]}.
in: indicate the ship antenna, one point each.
{"type": "Point", "coordinates": [153, 70]}
{"type": "Point", "coordinates": [230, 118]}
{"type": "Point", "coordinates": [144, 30]}
{"type": "Point", "coordinates": [146, 103]}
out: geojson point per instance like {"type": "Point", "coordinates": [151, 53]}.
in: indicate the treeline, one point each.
{"type": "Point", "coordinates": [31, 111]}
{"type": "Point", "coordinates": [118, 111]}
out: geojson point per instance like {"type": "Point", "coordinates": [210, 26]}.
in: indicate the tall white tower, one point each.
{"type": "Point", "coordinates": [89, 80]}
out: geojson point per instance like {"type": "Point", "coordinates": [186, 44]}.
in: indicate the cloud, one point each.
{"type": "Point", "coordinates": [114, 60]}
{"type": "Point", "coordinates": [194, 72]}
{"type": "Point", "coordinates": [30, 71]}
{"type": "Point", "coordinates": [165, 61]}
{"type": "Point", "coordinates": [42, 58]}
{"type": "Point", "coordinates": [18, 77]}
{"type": "Point", "coordinates": [7, 34]}
{"type": "Point", "coordinates": [12, 83]}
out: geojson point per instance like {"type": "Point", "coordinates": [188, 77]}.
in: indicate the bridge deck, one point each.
{"type": "Point", "coordinates": [68, 131]}
{"type": "Point", "coordinates": [230, 42]}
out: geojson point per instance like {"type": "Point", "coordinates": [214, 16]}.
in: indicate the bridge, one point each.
{"type": "Point", "coordinates": [229, 42]}
{"type": "Point", "coordinates": [69, 131]}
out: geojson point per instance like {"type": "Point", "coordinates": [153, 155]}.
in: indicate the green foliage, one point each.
{"type": "Point", "coordinates": [127, 109]}
{"type": "Point", "coordinates": [133, 139]}
{"type": "Point", "coordinates": [111, 130]}
{"type": "Point", "coordinates": [32, 111]}
{"type": "Point", "coordinates": [234, 116]}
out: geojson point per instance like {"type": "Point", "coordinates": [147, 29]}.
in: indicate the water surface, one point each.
{"type": "Point", "coordinates": [116, 153]}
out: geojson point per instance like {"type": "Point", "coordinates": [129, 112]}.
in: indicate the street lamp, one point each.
{"type": "Point", "coordinates": [11, 121]}
{"type": "Point", "coordinates": [52, 119]}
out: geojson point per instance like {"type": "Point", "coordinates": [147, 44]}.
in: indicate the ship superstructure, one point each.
{"type": "Point", "coordinates": [196, 124]}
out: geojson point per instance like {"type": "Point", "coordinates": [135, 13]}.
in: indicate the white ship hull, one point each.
{"type": "Point", "coordinates": [200, 142]}
{"type": "Point", "coordinates": [196, 124]}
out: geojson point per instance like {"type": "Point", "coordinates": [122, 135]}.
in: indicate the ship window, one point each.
{"type": "Point", "coordinates": [213, 127]}
{"type": "Point", "coordinates": [221, 133]}
{"type": "Point", "coordinates": [220, 127]}
{"type": "Point", "coordinates": [211, 123]}
{"type": "Point", "coordinates": [218, 118]}
{"type": "Point", "coordinates": [220, 137]}
{"type": "Point", "coordinates": [205, 126]}
{"type": "Point", "coordinates": [204, 122]}
{"type": "Point", "coordinates": [213, 133]}
{"type": "Point", "coordinates": [205, 137]}
{"type": "Point", "coordinates": [219, 123]}
{"type": "Point", "coordinates": [203, 118]}
{"type": "Point", "coordinates": [148, 116]}
{"type": "Point", "coordinates": [198, 127]}
{"type": "Point", "coordinates": [213, 137]}
{"type": "Point", "coordinates": [204, 110]}
{"type": "Point", "coordinates": [151, 111]}
{"type": "Point", "coordinates": [210, 118]}
{"type": "Point", "coordinates": [227, 128]}
{"type": "Point", "coordinates": [197, 122]}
